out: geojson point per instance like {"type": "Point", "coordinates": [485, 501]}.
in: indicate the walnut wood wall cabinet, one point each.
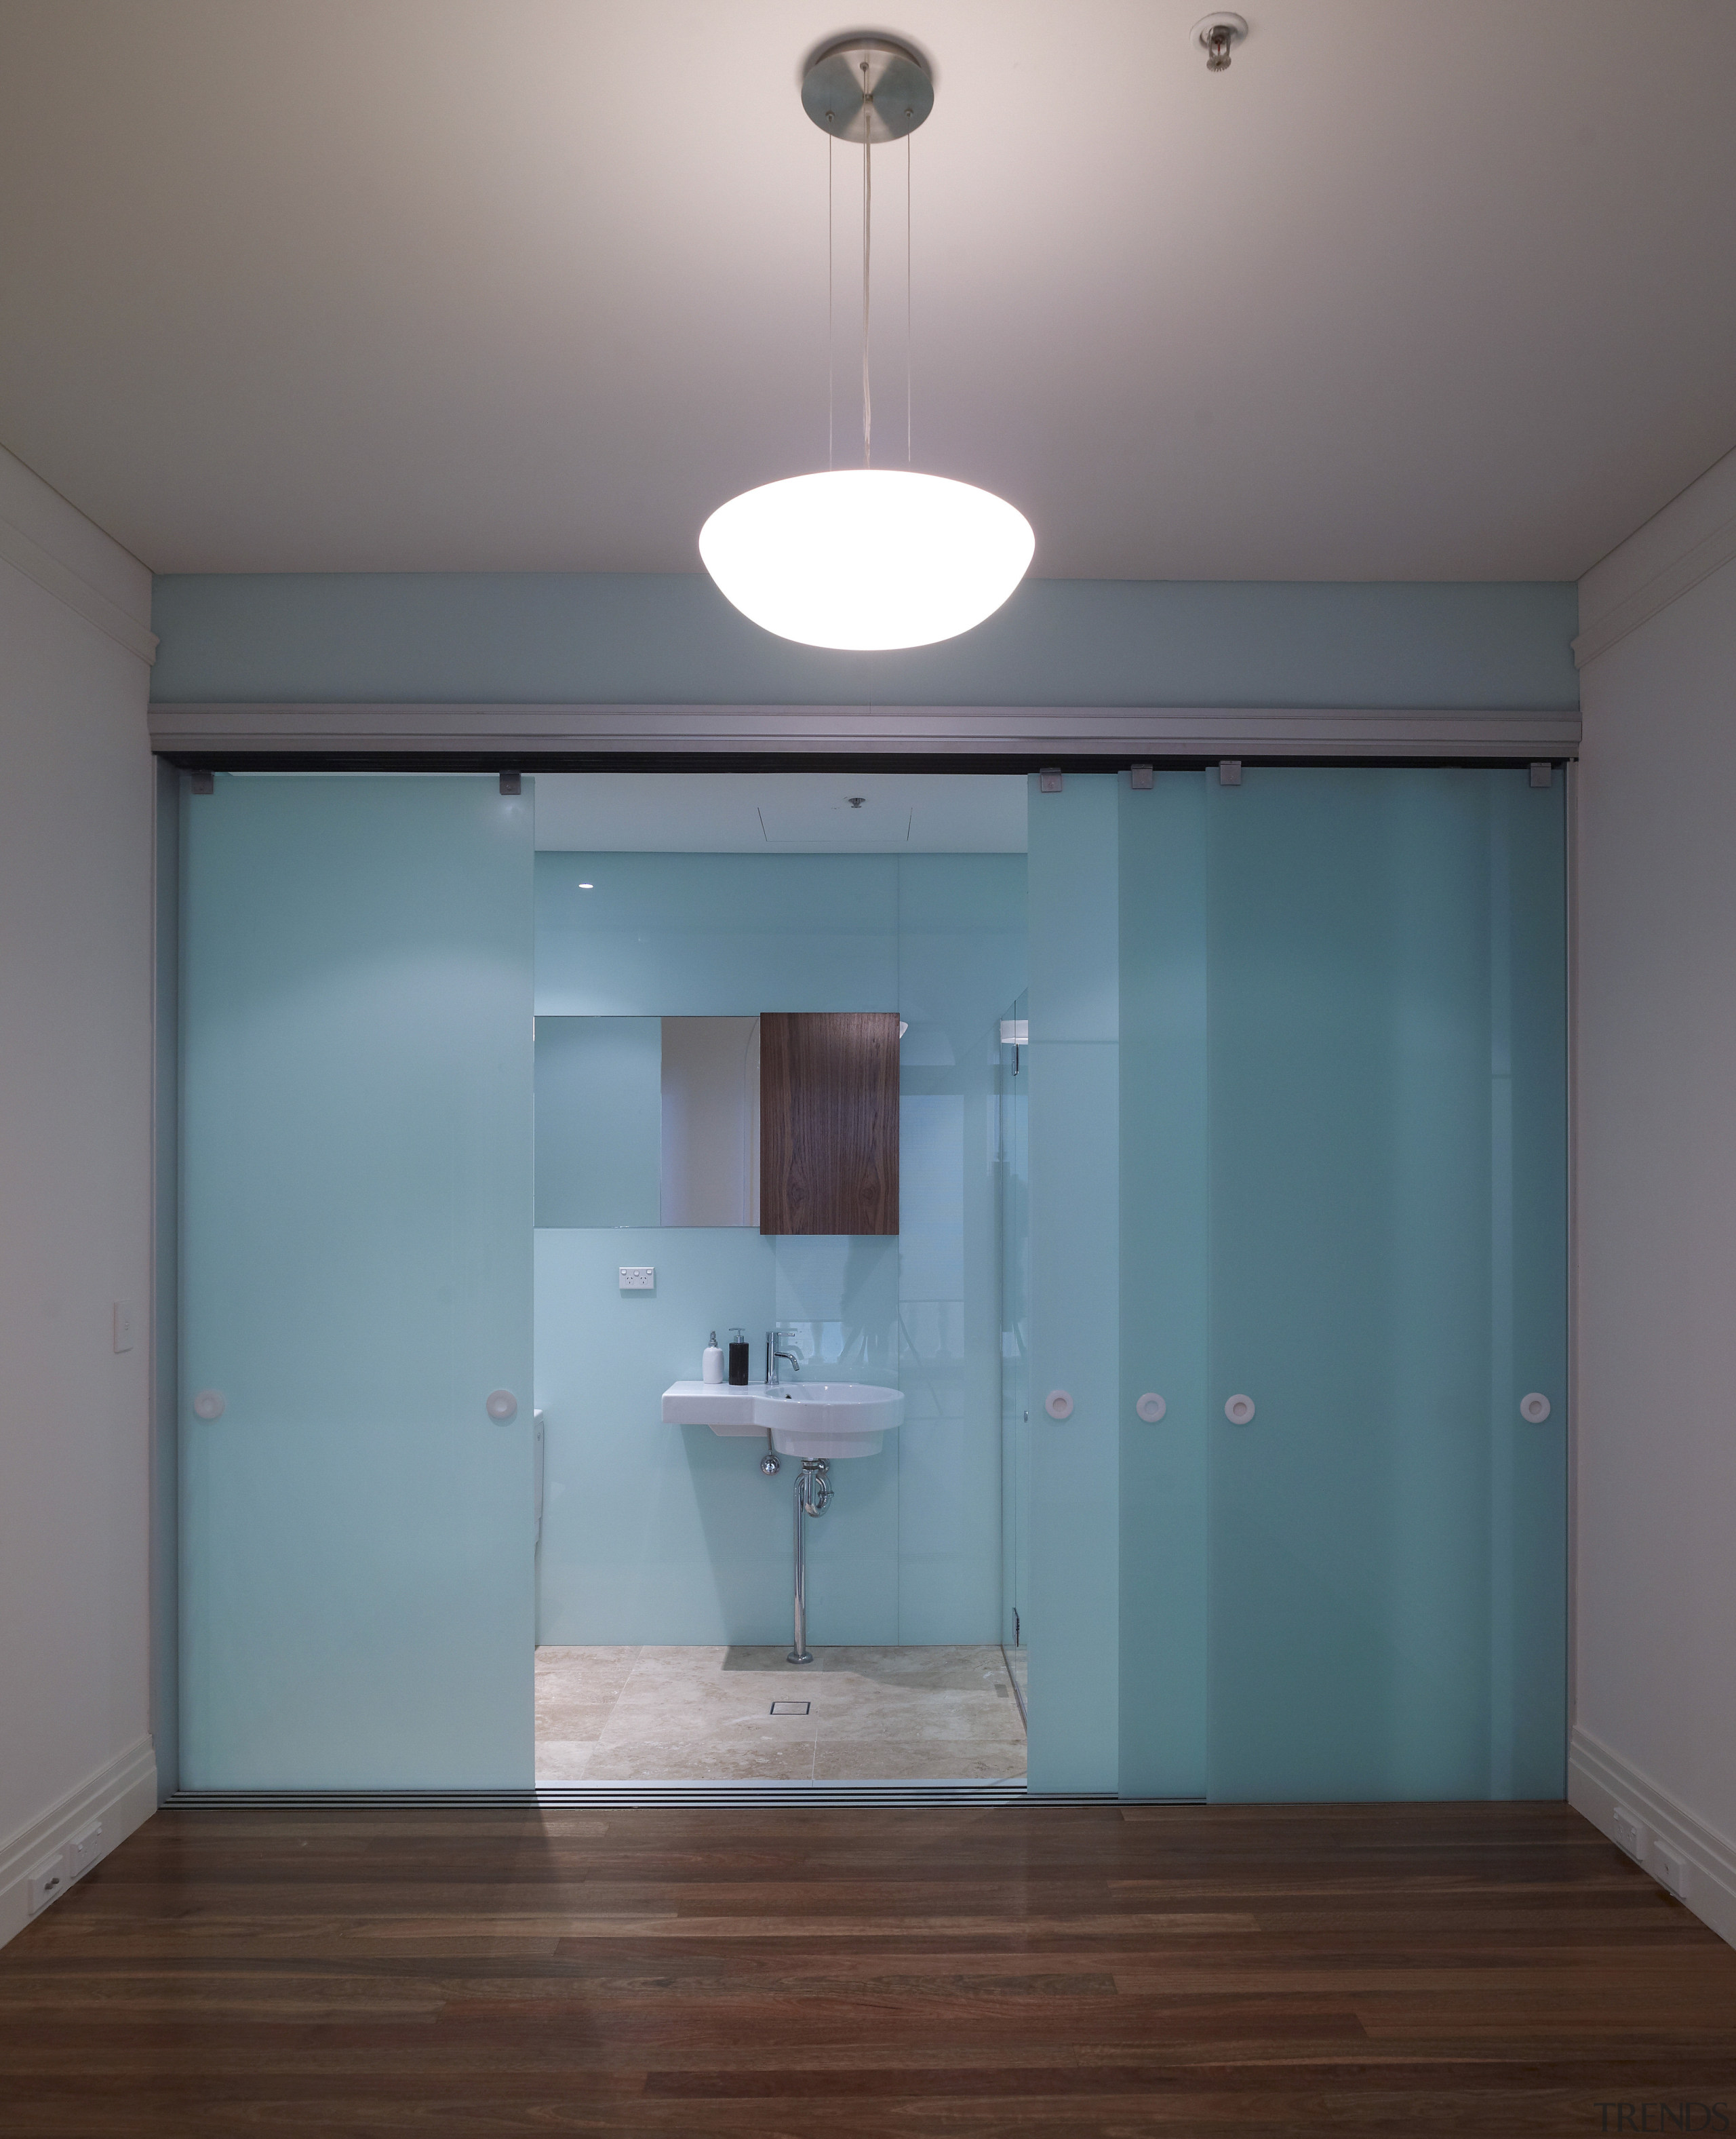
{"type": "Point", "coordinates": [829, 1122]}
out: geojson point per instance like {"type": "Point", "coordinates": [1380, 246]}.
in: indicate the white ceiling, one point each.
{"type": "Point", "coordinates": [788, 813]}
{"type": "Point", "coordinates": [1418, 289]}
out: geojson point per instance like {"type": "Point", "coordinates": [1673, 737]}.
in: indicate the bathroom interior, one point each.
{"type": "Point", "coordinates": [667, 1600]}
{"type": "Point", "coordinates": [1136, 1198]}
{"type": "Point", "coordinates": [656, 924]}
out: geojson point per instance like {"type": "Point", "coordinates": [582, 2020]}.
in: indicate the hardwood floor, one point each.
{"type": "Point", "coordinates": [1032, 1970]}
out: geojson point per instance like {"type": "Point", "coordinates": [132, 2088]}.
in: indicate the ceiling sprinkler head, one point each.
{"type": "Point", "coordinates": [857, 800]}
{"type": "Point", "coordinates": [1217, 35]}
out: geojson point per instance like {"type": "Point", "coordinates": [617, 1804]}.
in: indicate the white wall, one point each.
{"type": "Point", "coordinates": [76, 814]}
{"type": "Point", "coordinates": [1655, 1679]}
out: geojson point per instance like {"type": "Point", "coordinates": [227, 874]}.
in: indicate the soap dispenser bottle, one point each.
{"type": "Point", "coordinates": [712, 1366]}
{"type": "Point", "coordinates": [738, 1358]}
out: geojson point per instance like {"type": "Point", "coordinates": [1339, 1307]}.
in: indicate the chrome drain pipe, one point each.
{"type": "Point", "coordinates": [813, 1491]}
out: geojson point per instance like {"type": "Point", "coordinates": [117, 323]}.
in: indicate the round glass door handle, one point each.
{"type": "Point", "coordinates": [1057, 1404]}
{"type": "Point", "coordinates": [209, 1403]}
{"type": "Point", "coordinates": [1238, 1410]}
{"type": "Point", "coordinates": [1534, 1408]}
{"type": "Point", "coordinates": [502, 1406]}
{"type": "Point", "coordinates": [1151, 1407]}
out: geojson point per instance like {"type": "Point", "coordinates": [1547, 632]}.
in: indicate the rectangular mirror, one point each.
{"type": "Point", "coordinates": [657, 1121]}
{"type": "Point", "coordinates": [710, 1172]}
{"type": "Point", "coordinates": [647, 1121]}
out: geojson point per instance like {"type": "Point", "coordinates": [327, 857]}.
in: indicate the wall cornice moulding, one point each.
{"type": "Point", "coordinates": [59, 578]}
{"type": "Point", "coordinates": [1689, 568]}
{"type": "Point", "coordinates": [1678, 547]}
{"type": "Point", "coordinates": [1065, 732]}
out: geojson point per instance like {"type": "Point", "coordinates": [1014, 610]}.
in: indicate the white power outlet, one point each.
{"type": "Point", "coordinates": [1627, 1832]}
{"type": "Point", "coordinates": [1672, 1869]}
{"type": "Point", "coordinates": [83, 1850]}
{"type": "Point", "coordinates": [48, 1881]}
{"type": "Point", "coordinates": [637, 1277]}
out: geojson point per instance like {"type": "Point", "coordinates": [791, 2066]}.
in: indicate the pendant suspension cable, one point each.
{"type": "Point", "coordinates": [831, 396]}
{"type": "Point", "coordinates": [868, 222]}
{"type": "Point", "coordinates": [827, 559]}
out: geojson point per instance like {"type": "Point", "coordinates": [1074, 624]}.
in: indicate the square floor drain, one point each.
{"type": "Point", "coordinates": [791, 1707]}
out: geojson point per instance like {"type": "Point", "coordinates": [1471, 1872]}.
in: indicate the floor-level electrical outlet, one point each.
{"type": "Point", "coordinates": [1626, 1828]}
{"type": "Point", "coordinates": [83, 1850]}
{"type": "Point", "coordinates": [48, 1881]}
{"type": "Point", "coordinates": [1672, 1869]}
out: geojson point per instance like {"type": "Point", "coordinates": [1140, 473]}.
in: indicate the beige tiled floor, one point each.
{"type": "Point", "coordinates": [649, 1714]}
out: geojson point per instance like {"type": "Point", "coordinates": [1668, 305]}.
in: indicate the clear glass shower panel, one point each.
{"type": "Point", "coordinates": [1387, 1149]}
{"type": "Point", "coordinates": [355, 1417]}
{"type": "Point", "coordinates": [1012, 1168]}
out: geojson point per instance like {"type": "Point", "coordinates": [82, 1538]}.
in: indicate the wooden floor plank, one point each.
{"type": "Point", "coordinates": [1025, 1970]}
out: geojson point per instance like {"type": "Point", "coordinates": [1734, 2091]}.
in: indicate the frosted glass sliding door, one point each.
{"type": "Point", "coordinates": [1164, 1169]}
{"type": "Point", "coordinates": [1387, 1583]}
{"type": "Point", "coordinates": [356, 1527]}
{"type": "Point", "coordinates": [1070, 1574]}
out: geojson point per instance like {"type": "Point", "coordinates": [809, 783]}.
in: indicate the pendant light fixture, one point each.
{"type": "Point", "coordinates": [867, 559]}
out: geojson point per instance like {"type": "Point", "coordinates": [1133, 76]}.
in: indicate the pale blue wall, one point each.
{"type": "Point", "coordinates": [716, 935]}
{"type": "Point", "coordinates": [668, 1534]}
{"type": "Point", "coordinates": [631, 638]}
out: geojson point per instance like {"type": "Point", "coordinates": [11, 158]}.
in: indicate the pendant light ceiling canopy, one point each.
{"type": "Point", "coordinates": [867, 559]}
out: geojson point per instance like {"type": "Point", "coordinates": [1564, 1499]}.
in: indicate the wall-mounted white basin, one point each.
{"type": "Point", "coordinates": [804, 1418]}
{"type": "Point", "coordinates": [832, 1418]}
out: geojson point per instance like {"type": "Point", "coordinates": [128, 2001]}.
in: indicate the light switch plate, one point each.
{"type": "Point", "coordinates": [637, 1277]}
{"type": "Point", "coordinates": [123, 1325]}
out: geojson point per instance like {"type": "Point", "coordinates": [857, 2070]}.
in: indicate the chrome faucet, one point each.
{"type": "Point", "coordinates": [773, 1354]}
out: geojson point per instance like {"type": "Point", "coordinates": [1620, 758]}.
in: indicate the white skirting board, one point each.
{"type": "Point", "coordinates": [1671, 1841]}
{"type": "Point", "coordinates": [121, 1795]}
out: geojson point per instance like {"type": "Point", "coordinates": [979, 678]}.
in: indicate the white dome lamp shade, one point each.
{"type": "Point", "coordinates": [866, 559]}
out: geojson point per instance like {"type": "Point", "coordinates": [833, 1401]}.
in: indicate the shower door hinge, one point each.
{"type": "Point", "coordinates": [1049, 780]}
{"type": "Point", "coordinates": [1542, 772]}
{"type": "Point", "coordinates": [1229, 772]}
